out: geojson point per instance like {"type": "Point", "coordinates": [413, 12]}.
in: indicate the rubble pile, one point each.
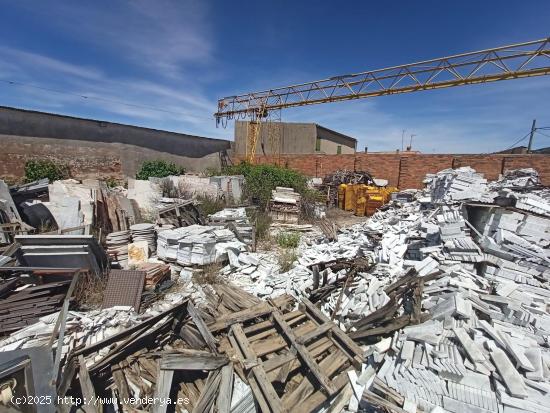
{"type": "Point", "coordinates": [439, 302]}
{"type": "Point", "coordinates": [485, 287]}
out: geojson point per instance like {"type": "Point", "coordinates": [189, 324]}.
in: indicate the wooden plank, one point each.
{"type": "Point", "coordinates": [162, 390]}
{"type": "Point", "coordinates": [322, 329]}
{"type": "Point", "coordinates": [278, 361]}
{"type": "Point", "coordinates": [275, 343]}
{"type": "Point", "coordinates": [201, 325]}
{"type": "Point", "coordinates": [304, 354]}
{"type": "Point", "coordinates": [144, 325]}
{"type": "Point", "coordinates": [60, 326]}
{"type": "Point", "coordinates": [269, 324]}
{"type": "Point", "coordinates": [187, 362]}
{"type": "Point", "coordinates": [86, 386]}
{"type": "Point", "coordinates": [225, 393]}
{"type": "Point", "coordinates": [265, 386]}
{"type": "Point", "coordinates": [318, 398]}
{"type": "Point", "coordinates": [121, 384]}
{"type": "Point", "coordinates": [336, 331]}
{"type": "Point", "coordinates": [207, 397]}
{"type": "Point", "coordinates": [341, 401]}
{"type": "Point", "coordinates": [315, 350]}
{"type": "Point", "coordinates": [241, 316]}
{"type": "Point", "coordinates": [379, 401]}
{"type": "Point", "coordinates": [329, 365]}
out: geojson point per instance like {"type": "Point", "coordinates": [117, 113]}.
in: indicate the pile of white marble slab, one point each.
{"type": "Point", "coordinates": [237, 220]}
{"type": "Point", "coordinates": [457, 184]}
{"type": "Point", "coordinates": [486, 346]}
{"type": "Point", "coordinates": [198, 245]}
{"type": "Point", "coordinates": [519, 178]}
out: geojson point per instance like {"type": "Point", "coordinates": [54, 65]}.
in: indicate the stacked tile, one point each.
{"type": "Point", "coordinates": [198, 245]}
{"type": "Point", "coordinates": [205, 245]}
{"type": "Point", "coordinates": [155, 273]}
{"type": "Point", "coordinates": [117, 246]}
{"type": "Point", "coordinates": [168, 241]}
{"type": "Point", "coordinates": [144, 232]}
{"type": "Point", "coordinates": [236, 219]}
{"type": "Point", "coordinates": [284, 205]}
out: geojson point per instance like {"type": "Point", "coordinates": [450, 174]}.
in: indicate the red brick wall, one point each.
{"type": "Point", "coordinates": [407, 170]}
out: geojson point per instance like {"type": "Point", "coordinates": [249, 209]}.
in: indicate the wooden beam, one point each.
{"type": "Point", "coordinates": [225, 393]}
{"type": "Point", "coordinates": [162, 390]}
{"type": "Point", "coordinates": [203, 329]}
{"type": "Point", "coordinates": [344, 339]}
{"type": "Point", "coordinates": [86, 386]}
{"type": "Point", "coordinates": [181, 361]}
{"type": "Point", "coordinates": [303, 353]}
{"type": "Point", "coordinates": [241, 316]}
{"type": "Point", "coordinates": [268, 393]}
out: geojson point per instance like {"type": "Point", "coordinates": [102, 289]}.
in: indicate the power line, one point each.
{"type": "Point", "coordinates": [518, 141]}
{"type": "Point", "coordinates": [543, 134]}
{"type": "Point", "coordinates": [119, 102]}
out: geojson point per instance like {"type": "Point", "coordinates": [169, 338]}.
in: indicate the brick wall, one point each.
{"type": "Point", "coordinates": [407, 170]}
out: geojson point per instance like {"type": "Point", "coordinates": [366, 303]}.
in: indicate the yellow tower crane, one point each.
{"type": "Point", "coordinates": [500, 63]}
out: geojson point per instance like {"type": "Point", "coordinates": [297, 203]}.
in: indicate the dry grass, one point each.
{"type": "Point", "coordinates": [286, 259]}
{"type": "Point", "coordinates": [210, 275]}
{"type": "Point", "coordinates": [89, 290]}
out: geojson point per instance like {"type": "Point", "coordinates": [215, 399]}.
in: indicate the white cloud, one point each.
{"type": "Point", "coordinates": [20, 58]}
{"type": "Point", "coordinates": [164, 36]}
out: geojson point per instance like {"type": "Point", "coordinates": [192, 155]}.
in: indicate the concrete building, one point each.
{"type": "Point", "coordinates": [294, 138]}
{"type": "Point", "coordinates": [97, 148]}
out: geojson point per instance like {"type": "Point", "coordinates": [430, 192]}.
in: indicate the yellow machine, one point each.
{"type": "Point", "coordinates": [349, 200]}
{"type": "Point", "coordinates": [342, 196]}
{"type": "Point", "coordinates": [361, 200]}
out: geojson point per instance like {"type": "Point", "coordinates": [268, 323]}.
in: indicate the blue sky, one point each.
{"type": "Point", "coordinates": [181, 56]}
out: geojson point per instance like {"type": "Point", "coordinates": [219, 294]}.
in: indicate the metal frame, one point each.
{"type": "Point", "coordinates": [502, 63]}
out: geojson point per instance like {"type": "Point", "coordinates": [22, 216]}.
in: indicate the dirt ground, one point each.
{"type": "Point", "coordinates": [343, 218]}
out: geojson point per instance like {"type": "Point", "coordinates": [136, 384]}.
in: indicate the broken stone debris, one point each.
{"type": "Point", "coordinates": [485, 275]}
{"type": "Point", "coordinates": [445, 292]}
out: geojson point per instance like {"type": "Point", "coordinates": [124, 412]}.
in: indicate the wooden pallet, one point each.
{"type": "Point", "coordinates": [293, 360]}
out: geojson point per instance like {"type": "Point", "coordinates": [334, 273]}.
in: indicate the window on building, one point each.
{"type": "Point", "coordinates": [339, 149]}
{"type": "Point", "coordinates": [318, 145]}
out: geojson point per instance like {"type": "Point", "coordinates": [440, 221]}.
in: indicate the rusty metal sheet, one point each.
{"type": "Point", "coordinates": [124, 287]}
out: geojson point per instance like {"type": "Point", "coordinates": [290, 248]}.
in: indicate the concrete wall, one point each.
{"type": "Point", "coordinates": [330, 140]}
{"type": "Point", "coordinates": [408, 170]}
{"type": "Point", "coordinates": [330, 147]}
{"type": "Point", "coordinates": [87, 159]}
{"type": "Point", "coordinates": [18, 122]}
{"type": "Point", "coordinates": [292, 138]}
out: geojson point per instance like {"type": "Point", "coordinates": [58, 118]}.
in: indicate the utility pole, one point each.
{"type": "Point", "coordinates": [533, 129]}
{"type": "Point", "coordinates": [411, 143]}
{"type": "Point", "coordinates": [403, 139]}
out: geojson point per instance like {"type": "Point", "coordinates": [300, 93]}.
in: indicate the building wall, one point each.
{"type": "Point", "coordinates": [19, 122]}
{"type": "Point", "coordinates": [330, 147]}
{"type": "Point", "coordinates": [87, 159]}
{"type": "Point", "coordinates": [330, 140]}
{"type": "Point", "coordinates": [408, 170]}
{"type": "Point", "coordinates": [292, 137]}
